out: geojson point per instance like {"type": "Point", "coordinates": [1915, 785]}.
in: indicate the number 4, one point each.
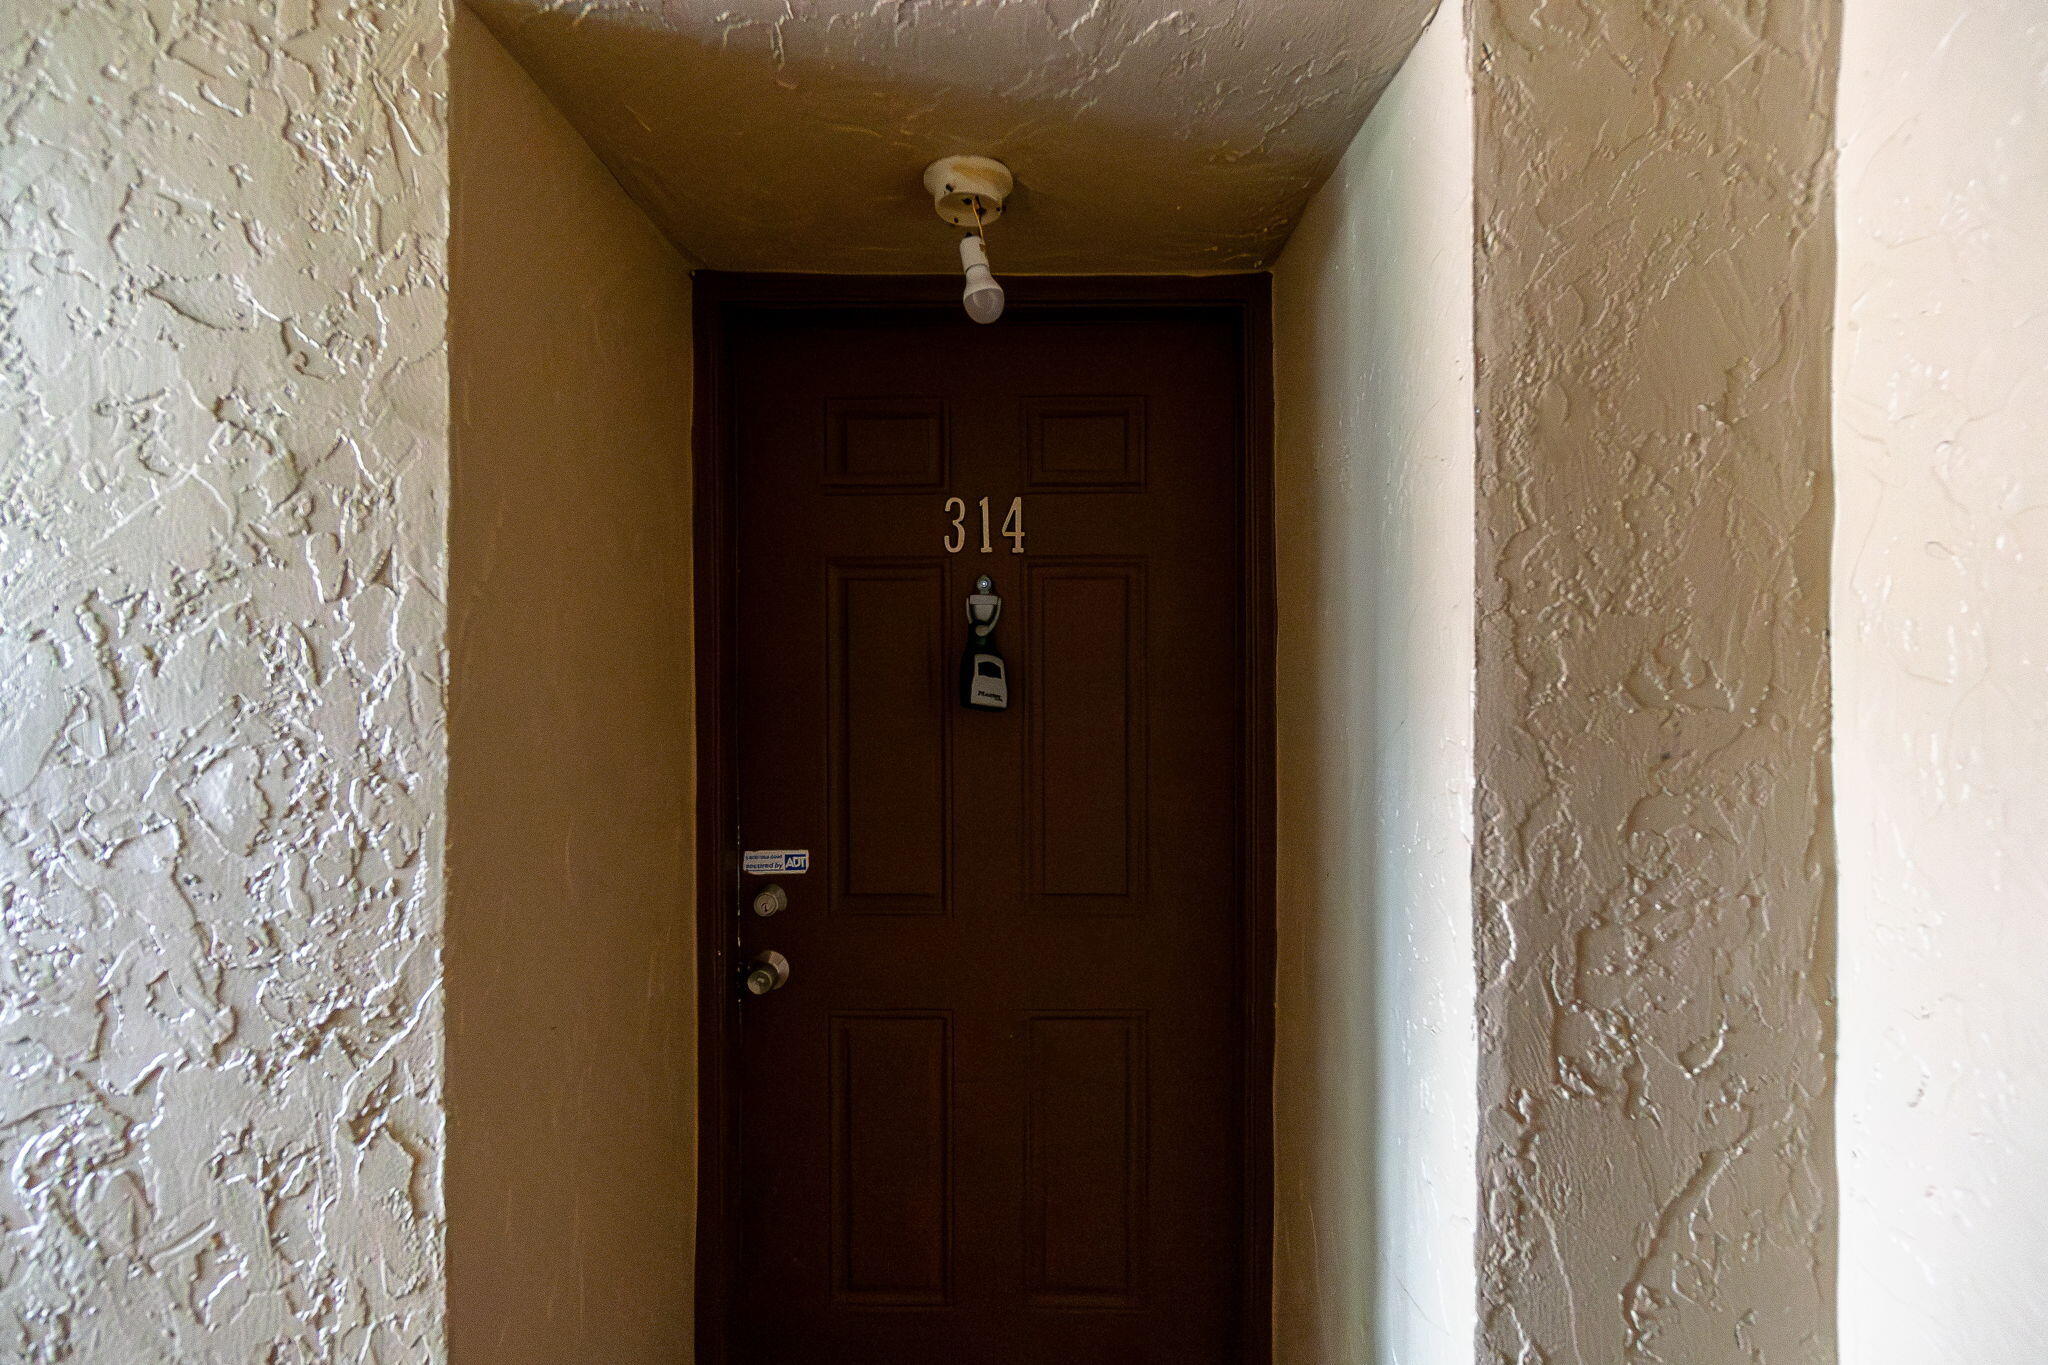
{"type": "Point", "coordinates": [1013, 526]}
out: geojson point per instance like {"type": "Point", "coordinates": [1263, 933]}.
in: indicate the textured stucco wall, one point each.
{"type": "Point", "coordinates": [1376, 1052]}
{"type": "Point", "coordinates": [1653, 846]}
{"type": "Point", "coordinates": [1941, 680]}
{"type": "Point", "coordinates": [222, 488]}
{"type": "Point", "coordinates": [1147, 135]}
{"type": "Point", "coordinates": [571, 1081]}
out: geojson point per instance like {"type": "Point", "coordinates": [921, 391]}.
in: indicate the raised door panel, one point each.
{"type": "Point", "coordinates": [1085, 1160]}
{"type": "Point", "coordinates": [892, 1188]}
{"type": "Point", "coordinates": [885, 445]}
{"type": "Point", "coordinates": [888, 735]}
{"type": "Point", "coordinates": [1084, 443]}
{"type": "Point", "coordinates": [1085, 770]}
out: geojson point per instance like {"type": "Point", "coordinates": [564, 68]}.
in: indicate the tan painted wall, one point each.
{"type": "Point", "coordinates": [1941, 680]}
{"type": "Point", "coordinates": [1373, 394]}
{"type": "Point", "coordinates": [222, 482]}
{"type": "Point", "coordinates": [1653, 847]}
{"type": "Point", "coordinates": [569, 946]}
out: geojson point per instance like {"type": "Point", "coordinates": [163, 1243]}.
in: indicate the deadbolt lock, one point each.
{"type": "Point", "coordinates": [770, 900]}
{"type": "Point", "coordinates": [768, 971]}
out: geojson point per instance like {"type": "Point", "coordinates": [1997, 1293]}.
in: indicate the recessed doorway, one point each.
{"type": "Point", "coordinates": [1004, 1095]}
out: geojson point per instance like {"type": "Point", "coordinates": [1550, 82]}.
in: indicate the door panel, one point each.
{"type": "Point", "coordinates": [1085, 734]}
{"type": "Point", "coordinates": [997, 1113]}
{"type": "Point", "coordinates": [888, 844]}
{"type": "Point", "coordinates": [892, 1187]}
{"type": "Point", "coordinates": [1084, 1161]}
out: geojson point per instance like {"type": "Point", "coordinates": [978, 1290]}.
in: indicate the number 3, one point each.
{"type": "Point", "coordinates": [956, 540]}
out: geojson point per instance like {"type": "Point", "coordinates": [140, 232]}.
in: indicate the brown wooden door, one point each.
{"type": "Point", "coordinates": [999, 1112]}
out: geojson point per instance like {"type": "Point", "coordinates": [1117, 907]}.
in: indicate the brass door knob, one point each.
{"type": "Point", "coordinates": [768, 971]}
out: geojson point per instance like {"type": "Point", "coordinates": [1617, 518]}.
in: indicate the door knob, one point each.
{"type": "Point", "coordinates": [768, 971]}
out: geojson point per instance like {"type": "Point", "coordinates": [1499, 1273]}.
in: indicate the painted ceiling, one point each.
{"type": "Point", "coordinates": [1146, 135]}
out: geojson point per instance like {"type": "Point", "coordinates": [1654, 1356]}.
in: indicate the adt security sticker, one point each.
{"type": "Point", "coordinates": [775, 862]}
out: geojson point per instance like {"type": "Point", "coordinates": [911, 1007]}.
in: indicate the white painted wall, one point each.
{"type": "Point", "coordinates": [1941, 681]}
{"type": "Point", "coordinates": [1375, 1105]}
{"type": "Point", "coordinates": [223, 477]}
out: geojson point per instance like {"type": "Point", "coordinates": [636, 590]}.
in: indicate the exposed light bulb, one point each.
{"type": "Point", "coordinates": [983, 296]}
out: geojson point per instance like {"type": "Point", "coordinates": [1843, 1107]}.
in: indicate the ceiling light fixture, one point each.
{"type": "Point", "coordinates": [968, 192]}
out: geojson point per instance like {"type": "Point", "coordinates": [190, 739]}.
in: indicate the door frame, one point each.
{"type": "Point", "coordinates": [1246, 301]}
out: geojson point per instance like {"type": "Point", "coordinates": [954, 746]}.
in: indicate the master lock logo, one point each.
{"type": "Point", "coordinates": [988, 686]}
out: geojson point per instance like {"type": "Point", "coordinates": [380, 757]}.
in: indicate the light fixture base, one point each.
{"type": "Point", "coordinates": [959, 183]}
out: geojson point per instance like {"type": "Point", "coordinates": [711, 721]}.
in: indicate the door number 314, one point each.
{"type": "Point", "coordinates": [1013, 526]}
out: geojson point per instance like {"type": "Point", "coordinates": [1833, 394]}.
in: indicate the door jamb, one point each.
{"type": "Point", "coordinates": [1247, 299]}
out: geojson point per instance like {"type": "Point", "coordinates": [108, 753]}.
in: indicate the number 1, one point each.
{"type": "Point", "coordinates": [985, 546]}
